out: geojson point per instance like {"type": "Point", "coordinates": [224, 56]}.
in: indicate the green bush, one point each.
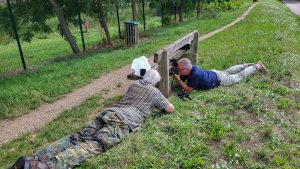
{"type": "Point", "coordinates": [211, 9]}
{"type": "Point", "coordinates": [234, 4]}
{"type": "Point", "coordinates": [166, 20]}
{"type": "Point", "coordinates": [42, 36]}
{"type": "Point", "coordinates": [225, 5]}
{"type": "Point", "coordinates": [209, 13]}
{"type": "Point", "coordinates": [4, 38]}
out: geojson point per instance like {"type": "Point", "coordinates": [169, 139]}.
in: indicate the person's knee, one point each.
{"type": "Point", "coordinates": [107, 141]}
{"type": "Point", "coordinates": [111, 137]}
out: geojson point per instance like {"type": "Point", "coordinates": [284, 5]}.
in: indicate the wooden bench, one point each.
{"type": "Point", "coordinates": [187, 46]}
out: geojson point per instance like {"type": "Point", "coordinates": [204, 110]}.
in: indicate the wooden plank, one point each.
{"type": "Point", "coordinates": [194, 49]}
{"type": "Point", "coordinates": [154, 66]}
{"type": "Point", "coordinates": [174, 55]}
{"type": "Point", "coordinates": [157, 56]}
{"type": "Point", "coordinates": [177, 54]}
{"type": "Point", "coordinates": [163, 69]}
{"type": "Point", "coordinates": [176, 45]}
{"type": "Point", "coordinates": [180, 43]}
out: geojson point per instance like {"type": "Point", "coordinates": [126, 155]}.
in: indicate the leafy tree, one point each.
{"type": "Point", "coordinates": [103, 22]}
{"type": "Point", "coordinates": [27, 20]}
{"type": "Point", "coordinates": [169, 5]}
{"type": "Point", "coordinates": [31, 17]}
{"type": "Point", "coordinates": [198, 6]}
{"type": "Point", "coordinates": [133, 8]}
{"type": "Point", "coordinates": [100, 9]}
{"type": "Point", "coordinates": [64, 26]}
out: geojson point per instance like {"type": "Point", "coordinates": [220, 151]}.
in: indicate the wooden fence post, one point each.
{"type": "Point", "coordinates": [194, 49]}
{"type": "Point", "coordinates": [175, 50]}
{"type": "Point", "coordinates": [163, 69]}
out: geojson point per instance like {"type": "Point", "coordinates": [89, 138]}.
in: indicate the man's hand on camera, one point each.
{"type": "Point", "coordinates": [176, 77]}
{"type": "Point", "coordinates": [182, 84]}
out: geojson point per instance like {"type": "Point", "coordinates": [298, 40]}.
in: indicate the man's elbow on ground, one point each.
{"type": "Point", "coordinates": [170, 108]}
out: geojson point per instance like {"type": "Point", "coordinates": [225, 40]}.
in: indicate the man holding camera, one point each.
{"type": "Point", "coordinates": [199, 79]}
{"type": "Point", "coordinates": [109, 127]}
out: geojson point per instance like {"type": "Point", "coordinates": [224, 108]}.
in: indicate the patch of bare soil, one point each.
{"type": "Point", "coordinates": [249, 119]}
{"type": "Point", "coordinates": [254, 139]}
{"type": "Point", "coordinates": [246, 118]}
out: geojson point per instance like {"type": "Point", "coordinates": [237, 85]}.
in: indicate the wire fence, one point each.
{"type": "Point", "coordinates": [18, 54]}
{"type": "Point", "coordinates": [46, 47]}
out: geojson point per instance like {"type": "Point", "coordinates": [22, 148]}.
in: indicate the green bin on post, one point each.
{"type": "Point", "coordinates": [131, 33]}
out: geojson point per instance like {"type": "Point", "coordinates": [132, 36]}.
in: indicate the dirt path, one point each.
{"type": "Point", "coordinates": [294, 6]}
{"type": "Point", "coordinates": [10, 129]}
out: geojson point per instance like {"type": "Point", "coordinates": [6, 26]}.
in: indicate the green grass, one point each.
{"type": "Point", "coordinates": [240, 126]}
{"type": "Point", "coordinates": [22, 93]}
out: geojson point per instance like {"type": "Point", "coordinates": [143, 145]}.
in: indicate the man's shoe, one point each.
{"type": "Point", "coordinates": [19, 164]}
{"type": "Point", "coordinates": [35, 164]}
{"type": "Point", "coordinates": [261, 67]}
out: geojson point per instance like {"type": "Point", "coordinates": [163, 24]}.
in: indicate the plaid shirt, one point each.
{"type": "Point", "coordinates": [138, 102]}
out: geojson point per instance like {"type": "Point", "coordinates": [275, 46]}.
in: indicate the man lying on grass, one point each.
{"type": "Point", "coordinates": [200, 79]}
{"type": "Point", "coordinates": [109, 128]}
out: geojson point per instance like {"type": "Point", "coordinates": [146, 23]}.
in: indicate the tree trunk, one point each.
{"type": "Point", "coordinates": [133, 7]}
{"type": "Point", "coordinates": [181, 11]}
{"type": "Point", "coordinates": [103, 22]}
{"type": "Point", "coordinates": [198, 8]}
{"type": "Point", "coordinates": [64, 26]}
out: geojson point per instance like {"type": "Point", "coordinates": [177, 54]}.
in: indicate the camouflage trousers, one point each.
{"type": "Point", "coordinates": [105, 131]}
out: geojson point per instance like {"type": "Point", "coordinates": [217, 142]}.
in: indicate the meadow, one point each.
{"type": "Point", "coordinates": [253, 124]}
{"type": "Point", "coordinates": [26, 91]}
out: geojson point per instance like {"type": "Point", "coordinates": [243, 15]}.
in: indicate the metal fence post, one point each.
{"type": "Point", "coordinates": [175, 12]}
{"type": "Point", "coordinates": [80, 24]}
{"type": "Point", "coordinates": [144, 19]}
{"type": "Point", "coordinates": [162, 14]}
{"type": "Point", "coordinates": [16, 33]}
{"type": "Point", "coordinates": [118, 18]}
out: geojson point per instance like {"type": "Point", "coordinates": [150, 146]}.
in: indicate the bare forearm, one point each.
{"type": "Point", "coordinates": [183, 85]}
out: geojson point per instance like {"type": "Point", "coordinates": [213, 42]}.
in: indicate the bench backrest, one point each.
{"type": "Point", "coordinates": [187, 45]}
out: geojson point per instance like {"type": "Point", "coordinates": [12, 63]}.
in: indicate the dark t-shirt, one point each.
{"type": "Point", "coordinates": [201, 79]}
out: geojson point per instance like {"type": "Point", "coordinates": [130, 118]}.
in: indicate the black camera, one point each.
{"type": "Point", "coordinates": [183, 96]}
{"type": "Point", "coordinates": [173, 67]}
